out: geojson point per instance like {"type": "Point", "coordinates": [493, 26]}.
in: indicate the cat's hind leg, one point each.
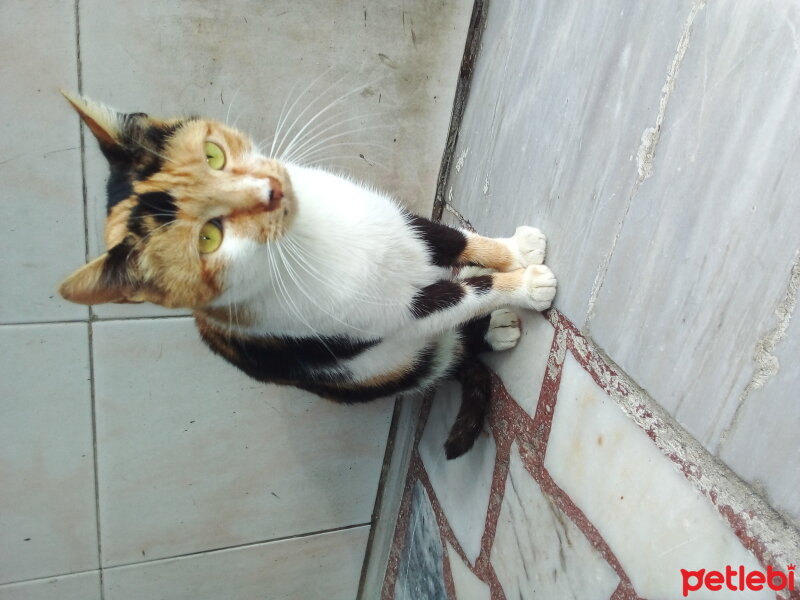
{"type": "Point", "coordinates": [495, 332]}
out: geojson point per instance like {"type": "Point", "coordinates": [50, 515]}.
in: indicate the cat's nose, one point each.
{"type": "Point", "coordinates": [275, 192]}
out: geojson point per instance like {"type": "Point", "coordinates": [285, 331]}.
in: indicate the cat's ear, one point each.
{"type": "Point", "coordinates": [116, 132]}
{"type": "Point", "coordinates": [110, 277]}
{"type": "Point", "coordinates": [104, 122]}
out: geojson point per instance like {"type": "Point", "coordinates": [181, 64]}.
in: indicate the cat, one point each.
{"type": "Point", "coordinates": [301, 277]}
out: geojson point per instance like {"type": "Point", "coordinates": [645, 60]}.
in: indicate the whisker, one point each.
{"type": "Point", "coordinates": [316, 140]}
{"type": "Point", "coordinates": [291, 108]}
{"type": "Point", "coordinates": [329, 106]}
{"type": "Point", "coordinates": [320, 145]}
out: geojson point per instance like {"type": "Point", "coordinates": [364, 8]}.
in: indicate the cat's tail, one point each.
{"type": "Point", "coordinates": [475, 379]}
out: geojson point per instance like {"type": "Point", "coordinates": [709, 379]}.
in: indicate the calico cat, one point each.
{"type": "Point", "coordinates": [301, 277]}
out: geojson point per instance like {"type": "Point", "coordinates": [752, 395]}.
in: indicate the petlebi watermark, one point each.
{"type": "Point", "coordinates": [739, 579]}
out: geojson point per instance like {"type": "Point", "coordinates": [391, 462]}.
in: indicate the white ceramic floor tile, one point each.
{"type": "Point", "coordinates": [318, 567]}
{"type": "Point", "coordinates": [246, 57]}
{"type": "Point", "coordinates": [47, 500]}
{"type": "Point", "coordinates": [420, 572]}
{"type": "Point", "coordinates": [462, 485]}
{"type": "Point", "coordinates": [560, 96]}
{"type": "Point", "coordinates": [193, 455]}
{"type": "Point", "coordinates": [522, 368]}
{"type": "Point", "coordinates": [539, 552]}
{"type": "Point", "coordinates": [466, 583]}
{"type": "Point", "coordinates": [706, 251]}
{"type": "Point", "coordinates": [653, 520]}
{"type": "Point", "coordinates": [40, 166]}
{"type": "Point", "coordinates": [83, 586]}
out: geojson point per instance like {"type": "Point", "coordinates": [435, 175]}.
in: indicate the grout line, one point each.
{"type": "Point", "coordinates": [25, 323]}
{"type": "Point", "coordinates": [48, 577]}
{"type": "Point", "coordinates": [89, 328]}
{"type": "Point", "coordinates": [190, 554]}
{"type": "Point", "coordinates": [285, 538]}
{"type": "Point", "coordinates": [96, 319]}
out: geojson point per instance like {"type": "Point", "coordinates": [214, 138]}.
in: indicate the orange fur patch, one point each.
{"type": "Point", "coordinates": [487, 252]}
{"type": "Point", "coordinates": [508, 282]}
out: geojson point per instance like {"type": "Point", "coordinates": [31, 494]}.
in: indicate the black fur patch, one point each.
{"type": "Point", "coordinates": [119, 186]}
{"type": "Point", "coordinates": [160, 205]}
{"type": "Point", "coordinates": [116, 273]}
{"type": "Point", "coordinates": [435, 297]}
{"type": "Point", "coordinates": [480, 283]}
{"type": "Point", "coordinates": [285, 359]}
{"type": "Point", "coordinates": [342, 391]}
{"type": "Point", "coordinates": [476, 392]}
{"type": "Point", "coordinates": [444, 243]}
{"type": "Point", "coordinates": [137, 156]}
{"type": "Point", "coordinates": [473, 335]}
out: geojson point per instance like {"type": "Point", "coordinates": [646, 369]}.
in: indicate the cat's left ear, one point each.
{"type": "Point", "coordinates": [120, 135]}
{"type": "Point", "coordinates": [111, 277]}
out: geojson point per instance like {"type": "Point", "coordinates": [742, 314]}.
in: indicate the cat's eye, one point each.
{"type": "Point", "coordinates": [215, 156]}
{"type": "Point", "coordinates": [210, 237]}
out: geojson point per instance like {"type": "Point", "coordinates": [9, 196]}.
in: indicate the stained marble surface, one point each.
{"type": "Point", "coordinates": [40, 168]}
{"type": "Point", "coordinates": [193, 455]}
{"type": "Point", "coordinates": [522, 368]}
{"type": "Point", "coordinates": [539, 552]}
{"type": "Point", "coordinates": [82, 586]}
{"type": "Point", "coordinates": [467, 585]}
{"type": "Point", "coordinates": [325, 566]}
{"type": "Point", "coordinates": [462, 485]}
{"type": "Point", "coordinates": [653, 520]}
{"type": "Point", "coordinates": [420, 573]}
{"type": "Point", "coordinates": [47, 501]}
{"type": "Point", "coordinates": [395, 65]}
{"type": "Point", "coordinates": [560, 96]}
{"type": "Point", "coordinates": [707, 248]}
{"type": "Point", "coordinates": [762, 444]}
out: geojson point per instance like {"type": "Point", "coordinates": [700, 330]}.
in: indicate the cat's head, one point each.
{"type": "Point", "coordinates": [186, 197]}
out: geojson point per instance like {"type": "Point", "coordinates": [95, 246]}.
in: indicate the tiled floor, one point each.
{"type": "Point", "coordinates": [133, 463]}
{"type": "Point", "coordinates": [569, 497]}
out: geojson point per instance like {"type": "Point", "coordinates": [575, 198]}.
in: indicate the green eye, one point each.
{"type": "Point", "coordinates": [210, 237]}
{"type": "Point", "coordinates": [215, 157]}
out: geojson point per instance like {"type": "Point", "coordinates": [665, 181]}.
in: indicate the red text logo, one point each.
{"type": "Point", "coordinates": [738, 579]}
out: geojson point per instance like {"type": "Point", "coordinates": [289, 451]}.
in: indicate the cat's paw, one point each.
{"type": "Point", "coordinates": [528, 246]}
{"type": "Point", "coordinates": [504, 331]}
{"type": "Point", "coordinates": [539, 285]}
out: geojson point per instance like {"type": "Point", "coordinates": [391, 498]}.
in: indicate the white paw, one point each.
{"type": "Point", "coordinates": [529, 246]}
{"type": "Point", "coordinates": [503, 332]}
{"type": "Point", "coordinates": [539, 285]}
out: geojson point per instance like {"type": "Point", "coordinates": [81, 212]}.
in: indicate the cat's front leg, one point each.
{"type": "Point", "coordinates": [451, 247]}
{"type": "Point", "coordinates": [445, 304]}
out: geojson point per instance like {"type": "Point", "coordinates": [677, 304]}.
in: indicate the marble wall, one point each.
{"type": "Point", "coordinates": [656, 145]}
{"type": "Point", "coordinates": [649, 422]}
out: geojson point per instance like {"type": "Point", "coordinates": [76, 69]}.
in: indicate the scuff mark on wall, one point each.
{"type": "Point", "coordinates": [461, 158]}
{"type": "Point", "coordinates": [650, 136]}
{"type": "Point", "coordinates": [766, 363]}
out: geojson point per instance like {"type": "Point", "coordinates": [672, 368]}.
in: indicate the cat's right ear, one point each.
{"type": "Point", "coordinates": [105, 123]}
{"type": "Point", "coordinates": [110, 277]}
